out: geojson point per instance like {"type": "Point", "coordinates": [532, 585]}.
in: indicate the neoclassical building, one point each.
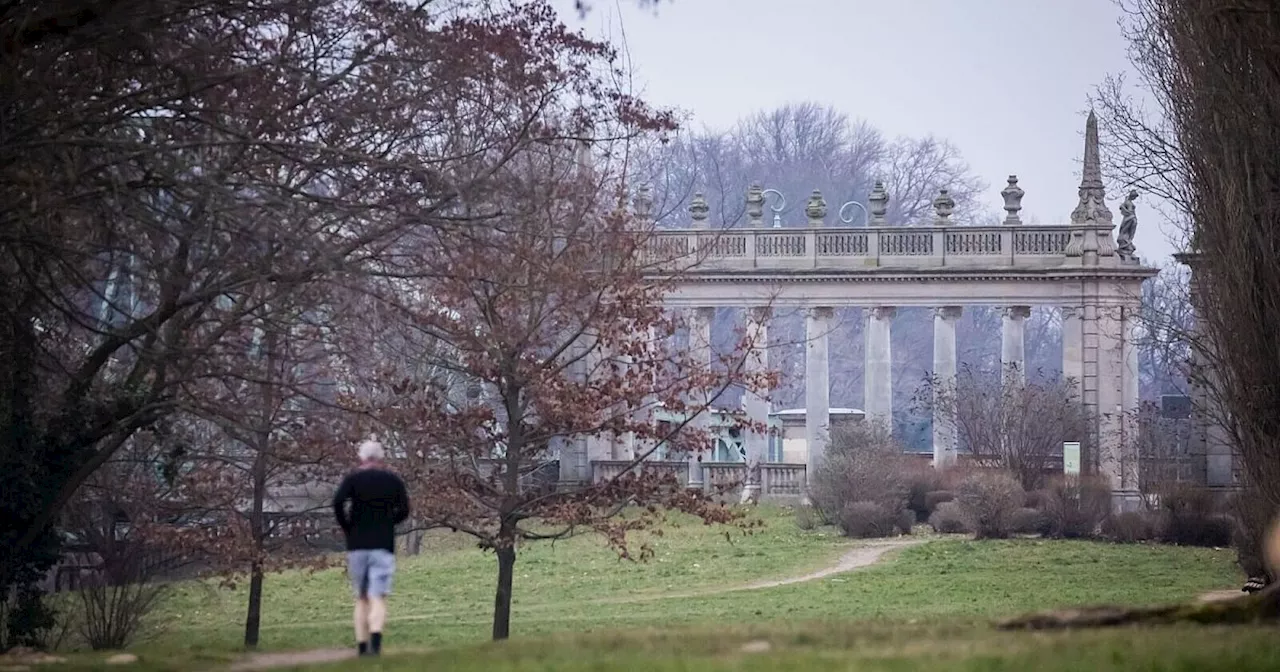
{"type": "Point", "coordinates": [1079, 267]}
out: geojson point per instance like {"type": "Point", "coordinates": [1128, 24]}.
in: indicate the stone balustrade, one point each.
{"type": "Point", "coordinates": [781, 480]}
{"type": "Point", "coordinates": [605, 470]}
{"type": "Point", "coordinates": [857, 248]}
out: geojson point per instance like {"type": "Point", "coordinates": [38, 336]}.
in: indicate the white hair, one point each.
{"type": "Point", "coordinates": [370, 450]}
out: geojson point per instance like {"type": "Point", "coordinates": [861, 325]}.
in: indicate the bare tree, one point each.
{"type": "Point", "coordinates": [162, 159]}
{"type": "Point", "coordinates": [564, 341]}
{"type": "Point", "coordinates": [1020, 428]}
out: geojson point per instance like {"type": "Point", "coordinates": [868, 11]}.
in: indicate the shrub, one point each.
{"type": "Point", "coordinates": [115, 602]}
{"type": "Point", "coordinates": [862, 520]}
{"type": "Point", "coordinates": [906, 521]}
{"type": "Point", "coordinates": [949, 519]}
{"type": "Point", "coordinates": [1029, 521]}
{"type": "Point", "coordinates": [863, 464]}
{"type": "Point", "coordinates": [920, 481]}
{"type": "Point", "coordinates": [988, 501]}
{"type": "Point", "coordinates": [933, 499]}
{"type": "Point", "coordinates": [1036, 499]}
{"type": "Point", "coordinates": [1130, 527]}
{"type": "Point", "coordinates": [807, 518]}
{"type": "Point", "coordinates": [1076, 505]}
{"type": "Point", "coordinates": [1188, 518]}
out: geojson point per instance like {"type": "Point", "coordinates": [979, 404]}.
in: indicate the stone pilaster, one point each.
{"type": "Point", "coordinates": [945, 438]}
{"type": "Point", "coordinates": [878, 372]}
{"type": "Point", "coordinates": [1116, 453]}
{"type": "Point", "coordinates": [817, 394]}
{"type": "Point", "coordinates": [1130, 398]}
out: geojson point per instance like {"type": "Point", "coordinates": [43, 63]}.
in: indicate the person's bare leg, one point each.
{"type": "Point", "coordinates": [377, 618]}
{"type": "Point", "coordinates": [362, 623]}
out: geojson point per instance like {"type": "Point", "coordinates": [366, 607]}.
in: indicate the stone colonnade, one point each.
{"type": "Point", "coordinates": [1098, 356]}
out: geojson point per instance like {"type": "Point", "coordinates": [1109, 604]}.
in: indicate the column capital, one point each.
{"type": "Point", "coordinates": [707, 313]}
{"type": "Point", "coordinates": [822, 312]}
{"type": "Point", "coordinates": [760, 313]}
{"type": "Point", "coordinates": [1070, 312]}
{"type": "Point", "coordinates": [948, 313]}
{"type": "Point", "coordinates": [882, 312]}
{"type": "Point", "coordinates": [1016, 312]}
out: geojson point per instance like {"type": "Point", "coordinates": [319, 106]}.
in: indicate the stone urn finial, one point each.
{"type": "Point", "coordinates": [755, 205]}
{"type": "Point", "coordinates": [643, 202]}
{"type": "Point", "coordinates": [1012, 201]}
{"type": "Point", "coordinates": [879, 200]}
{"type": "Point", "coordinates": [943, 206]}
{"type": "Point", "coordinates": [816, 208]}
{"type": "Point", "coordinates": [698, 210]}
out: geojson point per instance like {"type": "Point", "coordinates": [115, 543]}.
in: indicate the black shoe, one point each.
{"type": "Point", "coordinates": [375, 644]}
{"type": "Point", "coordinates": [363, 648]}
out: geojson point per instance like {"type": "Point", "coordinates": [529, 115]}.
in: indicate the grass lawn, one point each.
{"type": "Point", "coordinates": [939, 590]}
{"type": "Point", "coordinates": [829, 646]}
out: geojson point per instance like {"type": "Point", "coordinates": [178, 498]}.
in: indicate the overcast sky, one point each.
{"type": "Point", "coordinates": [1005, 80]}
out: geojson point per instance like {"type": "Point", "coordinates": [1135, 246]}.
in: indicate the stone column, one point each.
{"type": "Point", "coordinates": [1013, 352]}
{"type": "Point", "coordinates": [817, 392]}
{"type": "Point", "coordinates": [1073, 348]}
{"type": "Point", "coordinates": [945, 438]}
{"type": "Point", "coordinates": [600, 446]}
{"type": "Point", "coordinates": [755, 403]}
{"type": "Point", "coordinates": [572, 452]}
{"type": "Point", "coordinates": [878, 371]}
{"type": "Point", "coordinates": [700, 352]}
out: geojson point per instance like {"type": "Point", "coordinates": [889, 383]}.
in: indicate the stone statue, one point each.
{"type": "Point", "coordinates": [1128, 227]}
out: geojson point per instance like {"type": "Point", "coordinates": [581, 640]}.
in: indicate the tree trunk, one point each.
{"type": "Point", "coordinates": [502, 601]}
{"type": "Point", "coordinates": [1263, 606]}
{"type": "Point", "coordinates": [253, 621]}
{"type": "Point", "coordinates": [257, 515]}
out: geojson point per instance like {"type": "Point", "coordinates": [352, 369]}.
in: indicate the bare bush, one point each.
{"type": "Point", "coordinates": [1130, 527]}
{"type": "Point", "coordinates": [1189, 517]}
{"type": "Point", "coordinates": [989, 500]}
{"type": "Point", "coordinates": [1076, 505]}
{"type": "Point", "coordinates": [1018, 428]}
{"type": "Point", "coordinates": [807, 518]}
{"type": "Point", "coordinates": [862, 520]}
{"type": "Point", "coordinates": [115, 603]}
{"type": "Point", "coordinates": [948, 518]}
{"type": "Point", "coordinates": [922, 480]}
{"type": "Point", "coordinates": [1029, 521]}
{"type": "Point", "coordinates": [863, 464]}
{"type": "Point", "coordinates": [932, 500]}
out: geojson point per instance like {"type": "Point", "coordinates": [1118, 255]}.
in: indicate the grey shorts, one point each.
{"type": "Point", "coordinates": [370, 572]}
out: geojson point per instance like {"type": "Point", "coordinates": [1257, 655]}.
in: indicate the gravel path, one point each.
{"type": "Point", "coordinates": [859, 557]}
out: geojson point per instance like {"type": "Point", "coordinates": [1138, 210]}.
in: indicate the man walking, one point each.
{"type": "Point", "coordinates": [378, 502]}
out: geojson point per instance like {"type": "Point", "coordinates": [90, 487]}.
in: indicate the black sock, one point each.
{"type": "Point", "coordinates": [363, 646]}
{"type": "Point", "coordinates": [375, 643]}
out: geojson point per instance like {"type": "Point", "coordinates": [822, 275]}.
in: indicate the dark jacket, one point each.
{"type": "Point", "coordinates": [378, 502]}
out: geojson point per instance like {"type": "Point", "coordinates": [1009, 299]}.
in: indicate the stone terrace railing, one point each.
{"type": "Point", "coordinates": [777, 479]}
{"type": "Point", "coordinates": [760, 246]}
{"type": "Point", "coordinates": [853, 249]}
{"type": "Point", "coordinates": [603, 470]}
